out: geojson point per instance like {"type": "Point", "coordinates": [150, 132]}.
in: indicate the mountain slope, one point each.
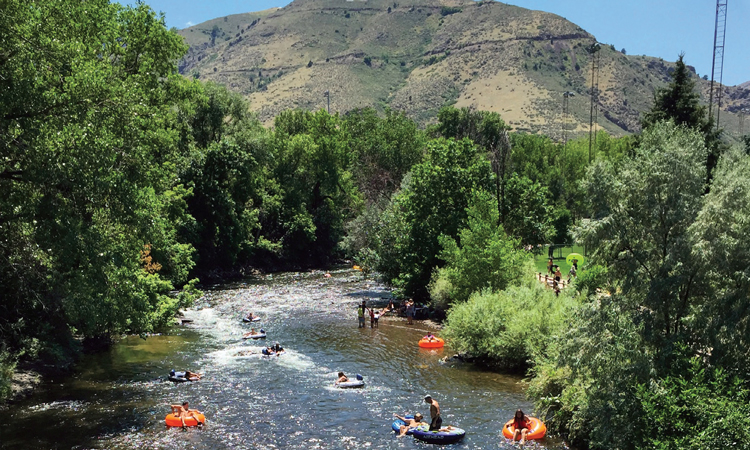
{"type": "Point", "coordinates": [418, 55]}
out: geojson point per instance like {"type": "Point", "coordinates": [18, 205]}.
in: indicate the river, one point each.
{"type": "Point", "coordinates": [118, 399]}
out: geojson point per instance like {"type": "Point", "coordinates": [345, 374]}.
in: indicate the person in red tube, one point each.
{"type": "Point", "coordinates": [521, 425]}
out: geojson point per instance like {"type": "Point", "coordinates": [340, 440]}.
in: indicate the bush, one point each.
{"type": "Point", "coordinates": [702, 409]}
{"type": "Point", "coordinates": [509, 328]}
{"type": "Point", "coordinates": [591, 278]}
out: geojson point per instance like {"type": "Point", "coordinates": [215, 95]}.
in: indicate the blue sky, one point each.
{"type": "Point", "coordinates": [662, 28]}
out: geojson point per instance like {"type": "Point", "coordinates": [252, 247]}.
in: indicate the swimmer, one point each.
{"type": "Point", "coordinates": [410, 423]}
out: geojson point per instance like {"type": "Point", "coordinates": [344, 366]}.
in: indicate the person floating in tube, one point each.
{"type": "Point", "coordinates": [521, 425]}
{"type": "Point", "coordinates": [410, 423]}
{"type": "Point", "coordinates": [342, 378]}
{"type": "Point", "coordinates": [184, 412]}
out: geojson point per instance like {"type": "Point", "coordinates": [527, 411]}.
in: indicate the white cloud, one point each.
{"type": "Point", "coordinates": [189, 24]}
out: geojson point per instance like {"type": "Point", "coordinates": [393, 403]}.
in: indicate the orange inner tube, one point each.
{"type": "Point", "coordinates": [537, 429]}
{"type": "Point", "coordinates": [437, 343]}
{"type": "Point", "coordinates": [173, 420]}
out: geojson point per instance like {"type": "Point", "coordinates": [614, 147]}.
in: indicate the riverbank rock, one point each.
{"type": "Point", "coordinates": [23, 384]}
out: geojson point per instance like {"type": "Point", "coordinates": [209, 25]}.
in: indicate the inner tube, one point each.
{"type": "Point", "coordinates": [438, 437]}
{"type": "Point", "coordinates": [436, 343]}
{"type": "Point", "coordinates": [255, 336]}
{"type": "Point", "coordinates": [254, 319]}
{"type": "Point", "coordinates": [537, 429]}
{"type": "Point", "coordinates": [423, 433]}
{"type": "Point", "coordinates": [173, 420]}
{"type": "Point", "coordinates": [359, 382]}
{"type": "Point", "coordinates": [396, 425]}
{"type": "Point", "coordinates": [177, 379]}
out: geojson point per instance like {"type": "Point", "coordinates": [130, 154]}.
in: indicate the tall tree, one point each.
{"type": "Point", "coordinates": [680, 103]}
{"type": "Point", "coordinates": [88, 196]}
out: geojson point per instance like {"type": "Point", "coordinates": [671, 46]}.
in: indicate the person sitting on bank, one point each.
{"type": "Point", "coordinates": [184, 412]}
{"type": "Point", "coordinates": [342, 378]}
{"type": "Point", "coordinates": [521, 425]}
{"type": "Point", "coordinates": [409, 423]}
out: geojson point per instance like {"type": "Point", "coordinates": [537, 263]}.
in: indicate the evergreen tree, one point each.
{"type": "Point", "coordinates": [680, 102]}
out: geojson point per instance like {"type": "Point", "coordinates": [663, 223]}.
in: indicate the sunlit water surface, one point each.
{"type": "Point", "coordinates": [118, 400]}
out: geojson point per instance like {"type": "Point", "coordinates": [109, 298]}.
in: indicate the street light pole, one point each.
{"type": "Point", "coordinates": [327, 94]}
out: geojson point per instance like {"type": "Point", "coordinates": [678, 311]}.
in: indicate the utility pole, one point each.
{"type": "Point", "coordinates": [566, 105]}
{"type": "Point", "coordinates": [327, 95]}
{"type": "Point", "coordinates": [720, 33]}
{"type": "Point", "coordinates": [594, 51]}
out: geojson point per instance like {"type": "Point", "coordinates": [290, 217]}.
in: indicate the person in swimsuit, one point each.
{"type": "Point", "coordinates": [430, 337]}
{"type": "Point", "coordinates": [521, 425]}
{"type": "Point", "coordinates": [410, 423]}
{"type": "Point", "coordinates": [184, 412]}
{"type": "Point", "coordinates": [436, 421]}
{"type": "Point", "coordinates": [409, 311]}
{"type": "Point", "coordinates": [193, 376]}
{"type": "Point", "coordinates": [361, 314]}
{"type": "Point", "coordinates": [342, 378]}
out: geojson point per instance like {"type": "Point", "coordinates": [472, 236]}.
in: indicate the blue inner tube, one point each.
{"type": "Point", "coordinates": [351, 384]}
{"type": "Point", "coordinates": [396, 425]}
{"type": "Point", "coordinates": [439, 437]}
{"type": "Point", "coordinates": [255, 336]}
{"type": "Point", "coordinates": [177, 379]}
{"type": "Point", "coordinates": [422, 432]}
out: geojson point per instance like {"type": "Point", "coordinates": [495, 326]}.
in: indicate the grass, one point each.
{"type": "Point", "coordinates": [540, 261]}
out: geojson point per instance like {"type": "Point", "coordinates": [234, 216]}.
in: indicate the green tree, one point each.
{"type": "Point", "coordinates": [88, 99]}
{"type": "Point", "coordinates": [383, 150]}
{"type": "Point", "coordinates": [435, 203]}
{"type": "Point", "coordinates": [312, 194]}
{"type": "Point", "coordinates": [680, 103]}
{"type": "Point", "coordinates": [228, 178]}
{"type": "Point", "coordinates": [654, 199]}
{"type": "Point", "coordinates": [482, 257]}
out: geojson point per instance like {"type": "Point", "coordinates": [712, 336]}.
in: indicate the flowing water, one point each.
{"type": "Point", "coordinates": [118, 400]}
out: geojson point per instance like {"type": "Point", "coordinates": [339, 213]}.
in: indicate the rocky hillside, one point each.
{"type": "Point", "coordinates": [418, 55]}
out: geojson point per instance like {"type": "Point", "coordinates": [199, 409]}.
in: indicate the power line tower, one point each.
{"type": "Point", "coordinates": [566, 106]}
{"type": "Point", "coordinates": [717, 71]}
{"type": "Point", "coordinates": [594, 51]}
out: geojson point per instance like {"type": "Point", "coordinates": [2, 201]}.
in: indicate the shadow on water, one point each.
{"type": "Point", "coordinates": [118, 400]}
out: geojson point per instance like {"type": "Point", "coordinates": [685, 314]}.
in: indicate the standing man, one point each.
{"type": "Point", "coordinates": [361, 314]}
{"type": "Point", "coordinates": [409, 311]}
{"type": "Point", "coordinates": [436, 421]}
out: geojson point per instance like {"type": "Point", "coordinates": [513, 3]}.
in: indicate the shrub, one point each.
{"type": "Point", "coordinates": [509, 328]}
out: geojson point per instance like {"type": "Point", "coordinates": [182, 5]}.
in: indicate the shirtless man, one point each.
{"type": "Point", "coordinates": [410, 423]}
{"type": "Point", "coordinates": [184, 412]}
{"type": "Point", "coordinates": [436, 420]}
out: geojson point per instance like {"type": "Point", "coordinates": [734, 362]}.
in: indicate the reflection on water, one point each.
{"type": "Point", "coordinates": [118, 400]}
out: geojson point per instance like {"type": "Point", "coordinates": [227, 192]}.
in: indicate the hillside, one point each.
{"type": "Point", "coordinates": [418, 55]}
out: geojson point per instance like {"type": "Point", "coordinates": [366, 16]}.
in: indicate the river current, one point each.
{"type": "Point", "coordinates": [118, 399]}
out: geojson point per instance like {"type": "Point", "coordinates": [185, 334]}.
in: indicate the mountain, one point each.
{"type": "Point", "coordinates": [418, 55]}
